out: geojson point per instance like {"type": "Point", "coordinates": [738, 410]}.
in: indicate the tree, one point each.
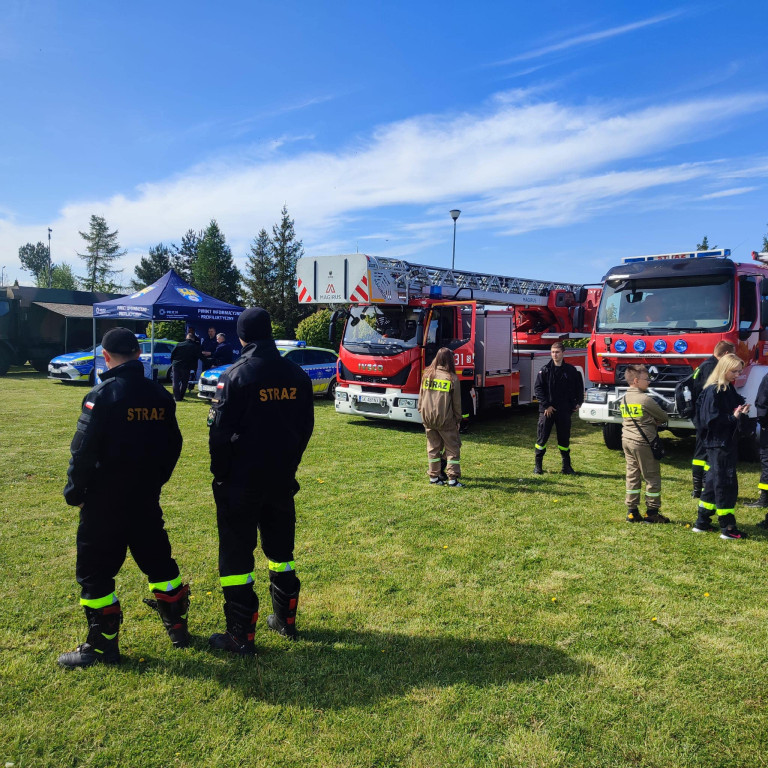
{"type": "Point", "coordinates": [286, 250]}
{"type": "Point", "coordinates": [63, 277]}
{"type": "Point", "coordinates": [34, 259]}
{"type": "Point", "coordinates": [168, 329]}
{"type": "Point", "coordinates": [100, 253]}
{"type": "Point", "coordinates": [259, 276]}
{"type": "Point", "coordinates": [705, 246]}
{"type": "Point", "coordinates": [152, 267]}
{"type": "Point", "coordinates": [213, 271]}
{"type": "Point", "coordinates": [183, 259]}
{"type": "Point", "coordinates": [314, 330]}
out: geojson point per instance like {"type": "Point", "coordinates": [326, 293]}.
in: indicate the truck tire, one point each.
{"type": "Point", "coordinates": [40, 364]}
{"type": "Point", "coordinates": [612, 436]}
{"type": "Point", "coordinates": [5, 360]}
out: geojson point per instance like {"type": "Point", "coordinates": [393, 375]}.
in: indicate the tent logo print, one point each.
{"type": "Point", "coordinates": [143, 291]}
{"type": "Point", "coordinates": [189, 294]}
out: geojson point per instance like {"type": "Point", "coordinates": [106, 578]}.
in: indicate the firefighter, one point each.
{"type": "Point", "coordinates": [761, 405]}
{"type": "Point", "coordinates": [700, 376]}
{"type": "Point", "coordinates": [559, 388]}
{"type": "Point", "coordinates": [440, 409]}
{"type": "Point", "coordinates": [261, 419]}
{"type": "Point", "coordinates": [722, 415]}
{"type": "Point", "coordinates": [184, 360]}
{"type": "Point", "coordinates": [125, 448]}
{"type": "Point", "coordinates": [642, 416]}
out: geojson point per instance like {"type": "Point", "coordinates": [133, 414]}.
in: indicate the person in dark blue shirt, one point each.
{"type": "Point", "coordinates": [224, 353]}
{"type": "Point", "coordinates": [208, 347]}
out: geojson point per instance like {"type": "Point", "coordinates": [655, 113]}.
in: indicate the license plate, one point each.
{"type": "Point", "coordinates": [207, 388]}
{"type": "Point", "coordinates": [369, 399]}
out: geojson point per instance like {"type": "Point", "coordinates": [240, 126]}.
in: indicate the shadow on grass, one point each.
{"type": "Point", "coordinates": [338, 669]}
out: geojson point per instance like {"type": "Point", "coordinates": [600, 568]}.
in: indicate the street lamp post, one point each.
{"type": "Point", "coordinates": [454, 215]}
{"type": "Point", "coordinates": [49, 258]}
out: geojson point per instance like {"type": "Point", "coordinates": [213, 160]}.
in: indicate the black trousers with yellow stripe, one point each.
{"type": "Point", "coordinates": [242, 515]}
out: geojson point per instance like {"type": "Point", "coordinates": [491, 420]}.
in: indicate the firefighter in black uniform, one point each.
{"type": "Point", "coordinates": [700, 376]}
{"type": "Point", "coordinates": [261, 419]}
{"type": "Point", "coordinates": [125, 448]}
{"type": "Point", "coordinates": [761, 406]}
{"type": "Point", "coordinates": [559, 388]}
{"type": "Point", "coordinates": [184, 360]}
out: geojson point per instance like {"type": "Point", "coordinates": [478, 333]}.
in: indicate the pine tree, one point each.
{"type": "Point", "coordinates": [287, 250]}
{"type": "Point", "coordinates": [152, 267]}
{"type": "Point", "coordinates": [213, 271]}
{"type": "Point", "coordinates": [100, 253]}
{"type": "Point", "coordinates": [184, 257]}
{"type": "Point", "coordinates": [259, 276]}
{"type": "Point", "coordinates": [705, 246]}
{"type": "Point", "coordinates": [62, 276]}
{"type": "Point", "coordinates": [34, 259]}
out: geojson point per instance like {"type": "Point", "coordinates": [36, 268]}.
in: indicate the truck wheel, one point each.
{"type": "Point", "coordinates": [612, 436]}
{"type": "Point", "coordinates": [5, 361]}
{"type": "Point", "coordinates": [39, 364]}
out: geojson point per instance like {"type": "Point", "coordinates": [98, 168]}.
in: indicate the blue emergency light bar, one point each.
{"type": "Point", "coordinates": [290, 343]}
{"type": "Point", "coordinates": [719, 254]}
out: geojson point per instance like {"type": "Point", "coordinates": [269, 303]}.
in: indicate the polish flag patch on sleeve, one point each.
{"type": "Point", "coordinates": [220, 386]}
{"type": "Point", "coordinates": [89, 405]}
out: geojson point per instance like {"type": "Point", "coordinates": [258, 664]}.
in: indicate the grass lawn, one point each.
{"type": "Point", "coordinates": [517, 622]}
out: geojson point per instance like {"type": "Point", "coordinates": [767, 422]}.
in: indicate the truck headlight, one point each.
{"type": "Point", "coordinates": [342, 396]}
{"type": "Point", "coordinates": [596, 396]}
{"type": "Point", "coordinates": [406, 402]}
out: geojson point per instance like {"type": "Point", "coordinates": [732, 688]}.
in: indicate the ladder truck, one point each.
{"type": "Point", "coordinates": [398, 314]}
{"type": "Point", "coordinates": [667, 312]}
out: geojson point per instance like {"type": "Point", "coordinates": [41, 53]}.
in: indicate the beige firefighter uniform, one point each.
{"type": "Point", "coordinates": [641, 464]}
{"type": "Point", "coordinates": [440, 409]}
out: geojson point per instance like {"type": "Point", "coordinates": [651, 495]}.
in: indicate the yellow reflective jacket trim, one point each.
{"type": "Point", "coordinates": [632, 410]}
{"type": "Point", "coordinates": [439, 385]}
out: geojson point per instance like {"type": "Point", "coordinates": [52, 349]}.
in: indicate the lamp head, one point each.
{"type": "Point", "coordinates": [455, 213]}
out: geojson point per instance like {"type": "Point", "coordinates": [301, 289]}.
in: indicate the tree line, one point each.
{"type": "Point", "coordinates": [202, 258]}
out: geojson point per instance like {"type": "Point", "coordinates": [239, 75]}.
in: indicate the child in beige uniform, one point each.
{"type": "Point", "coordinates": [440, 409]}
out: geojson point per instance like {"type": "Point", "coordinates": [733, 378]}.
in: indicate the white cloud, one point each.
{"type": "Point", "coordinates": [728, 193]}
{"type": "Point", "coordinates": [527, 166]}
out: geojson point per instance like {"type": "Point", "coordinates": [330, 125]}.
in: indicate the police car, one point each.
{"type": "Point", "coordinates": [78, 366]}
{"type": "Point", "coordinates": [320, 365]}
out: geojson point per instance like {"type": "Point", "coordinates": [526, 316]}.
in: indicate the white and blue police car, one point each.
{"type": "Point", "coordinates": [319, 363]}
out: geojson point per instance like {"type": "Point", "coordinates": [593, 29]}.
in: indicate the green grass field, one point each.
{"type": "Point", "coordinates": [517, 622]}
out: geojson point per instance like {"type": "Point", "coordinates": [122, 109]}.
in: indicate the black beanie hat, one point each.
{"type": "Point", "coordinates": [120, 341]}
{"type": "Point", "coordinates": [254, 324]}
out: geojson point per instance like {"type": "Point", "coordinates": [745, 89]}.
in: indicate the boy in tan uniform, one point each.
{"type": "Point", "coordinates": [641, 412]}
{"type": "Point", "coordinates": [440, 409]}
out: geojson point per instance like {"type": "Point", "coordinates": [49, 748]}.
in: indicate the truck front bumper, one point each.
{"type": "Point", "coordinates": [608, 413]}
{"type": "Point", "coordinates": [387, 404]}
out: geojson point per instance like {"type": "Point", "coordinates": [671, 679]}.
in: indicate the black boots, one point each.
{"type": "Point", "coordinates": [173, 608]}
{"type": "Point", "coordinates": [538, 469]}
{"type": "Point", "coordinates": [284, 604]}
{"type": "Point", "coordinates": [567, 468]}
{"type": "Point", "coordinates": [100, 647]}
{"type": "Point", "coordinates": [762, 500]}
{"type": "Point", "coordinates": [241, 628]}
{"type": "Point", "coordinates": [698, 482]}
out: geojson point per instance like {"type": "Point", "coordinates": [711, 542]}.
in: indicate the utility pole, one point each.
{"type": "Point", "coordinates": [50, 276]}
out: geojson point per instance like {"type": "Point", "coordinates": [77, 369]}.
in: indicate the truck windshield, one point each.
{"type": "Point", "coordinates": [704, 304]}
{"type": "Point", "coordinates": [380, 330]}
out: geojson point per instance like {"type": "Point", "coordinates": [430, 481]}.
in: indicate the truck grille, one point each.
{"type": "Point", "coordinates": [667, 376]}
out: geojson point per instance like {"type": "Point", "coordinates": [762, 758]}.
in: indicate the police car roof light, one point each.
{"type": "Point", "coordinates": [290, 343]}
{"type": "Point", "coordinates": [721, 253]}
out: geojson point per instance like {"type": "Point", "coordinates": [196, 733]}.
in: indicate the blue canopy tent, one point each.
{"type": "Point", "coordinates": [171, 298]}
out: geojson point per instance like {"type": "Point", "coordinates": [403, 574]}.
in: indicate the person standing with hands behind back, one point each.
{"type": "Point", "coordinates": [440, 409]}
{"type": "Point", "coordinates": [721, 416]}
{"type": "Point", "coordinates": [642, 415]}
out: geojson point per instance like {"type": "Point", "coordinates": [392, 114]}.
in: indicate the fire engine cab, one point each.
{"type": "Point", "coordinates": [668, 312]}
{"type": "Point", "coordinates": [397, 316]}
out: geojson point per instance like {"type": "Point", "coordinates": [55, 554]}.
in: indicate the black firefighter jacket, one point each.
{"type": "Point", "coordinates": [563, 388]}
{"type": "Point", "coordinates": [716, 420]}
{"type": "Point", "coordinates": [127, 437]}
{"type": "Point", "coordinates": [261, 419]}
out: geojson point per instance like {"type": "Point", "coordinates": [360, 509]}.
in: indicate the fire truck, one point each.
{"type": "Point", "coordinates": [667, 312]}
{"type": "Point", "coordinates": [398, 314]}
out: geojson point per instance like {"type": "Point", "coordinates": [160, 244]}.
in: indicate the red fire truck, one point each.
{"type": "Point", "coordinates": [668, 312]}
{"type": "Point", "coordinates": [399, 314]}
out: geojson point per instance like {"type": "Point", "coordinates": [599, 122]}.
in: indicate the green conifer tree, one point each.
{"type": "Point", "coordinates": [100, 254]}
{"type": "Point", "coordinates": [213, 271]}
{"type": "Point", "coordinates": [259, 279]}
{"type": "Point", "coordinates": [152, 267]}
{"type": "Point", "coordinates": [287, 250]}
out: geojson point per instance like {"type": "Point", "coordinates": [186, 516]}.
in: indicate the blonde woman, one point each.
{"type": "Point", "coordinates": [722, 414]}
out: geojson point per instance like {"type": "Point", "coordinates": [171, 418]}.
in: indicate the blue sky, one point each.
{"type": "Point", "coordinates": [569, 134]}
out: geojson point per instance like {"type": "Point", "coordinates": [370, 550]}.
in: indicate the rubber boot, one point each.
{"type": "Point", "coordinates": [101, 645]}
{"type": "Point", "coordinates": [173, 608]}
{"type": "Point", "coordinates": [284, 605]}
{"type": "Point", "coordinates": [762, 500]}
{"type": "Point", "coordinates": [567, 468]}
{"type": "Point", "coordinates": [698, 482]}
{"type": "Point", "coordinates": [538, 468]}
{"type": "Point", "coordinates": [241, 628]}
